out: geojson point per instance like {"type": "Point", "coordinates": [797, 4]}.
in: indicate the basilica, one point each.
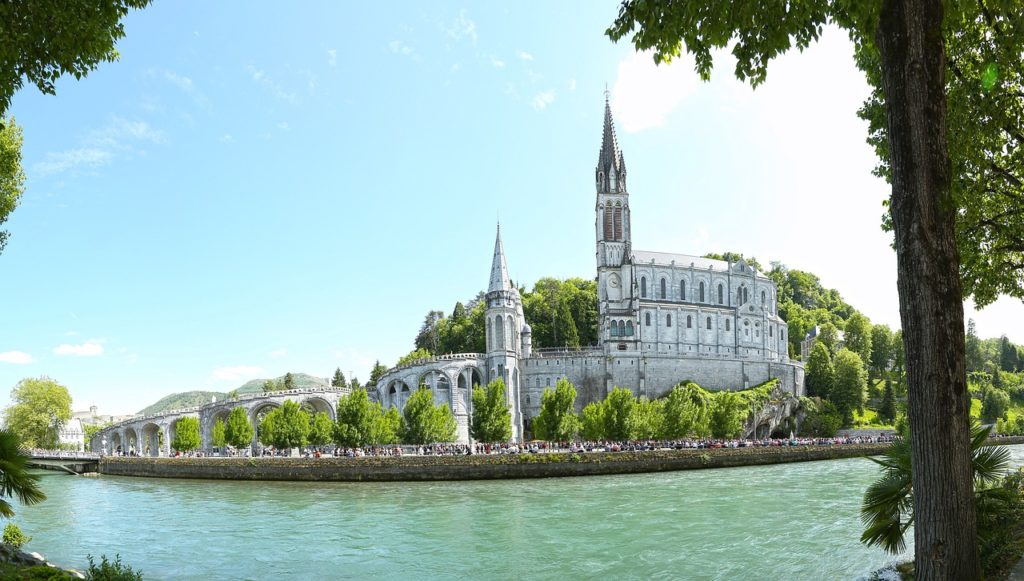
{"type": "Point", "coordinates": [664, 318]}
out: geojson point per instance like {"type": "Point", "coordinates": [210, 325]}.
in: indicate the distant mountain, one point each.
{"type": "Point", "coordinates": [194, 398]}
{"type": "Point", "coordinates": [186, 399]}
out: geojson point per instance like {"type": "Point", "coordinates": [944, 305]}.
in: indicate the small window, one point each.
{"type": "Point", "coordinates": [771, 331]}
{"type": "Point", "coordinates": [709, 323]}
{"type": "Point", "coordinates": [763, 298]}
{"type": "Point", "coordinates": [629, 328]}
{"type": "Point", "coordinates": [663, 293]}
{"type": "Point", "coordinates": [622, 328]}
{"type": "Point", "coordinates": [682, 290]}
{"type": "Point", "coordinates": [721, 295]}
{"type": "Point", "coordinates": [727, 324]}
{"type": "Point", "coordinates": [643, 287]}
{"type": "Point", "coordinates": [782, 334]}
{"type": "Point", "coordinates": [745, 296]}
{"type": "Point", "coordinates": [615, 329]}
{"type": "Point", "coordinates": [647, 319]}
{"type": "Point", "coordinates": [668, 320]}
{"type": "Point", "coordinates": [689, 322]}
{"type": "Point", "coordinates": [702, 291]}
{"type": "Point", "coordinates": [739, 296]}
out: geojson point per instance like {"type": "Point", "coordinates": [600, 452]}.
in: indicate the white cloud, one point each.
{"type": "Point", "coordinates": [237, 372]}
{"type": "Point", "coordinates": [62, 161]}
{"type": "Point", "coordinates": [260, 77]}
{"type": "Point", "coordinates": [542, 100]}
{"type": "Point", "coordinates": [100, 147]}
{"type": "Point", "coordinates": [399, 47]}
{"type": "Point", "coordinates": [455, 68]}
{"type": "Point", "coordinates": [227, 138]}
{"type": "Point", "coordinates": [279, 353]}
{"type": "Point", "coordinates": [182, 82]}
{"type": "Point", "coordinates": [525, 55]}
{"type": "Point", "coordinates": [332, 57]}
{"type": "Point", "coordinates": [644, 93]}
{"type": "Point", "coordinates": [71, 334]}
{"type": "Point", "coordinates": [572, 84]}
{"type": "Point", "coordinates": [462, 28]}
{"type": "Point", "coordinates": [496, 62]}
{"type": "Point", "coordinates": [283, 126]}
{"type": "Point", "coordinates": [15, 357]}
{"type": "Point", "coordinates": [90, 348]}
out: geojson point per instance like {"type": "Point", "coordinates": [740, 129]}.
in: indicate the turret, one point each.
{"type": "Point", "coordinates": [505, 327]}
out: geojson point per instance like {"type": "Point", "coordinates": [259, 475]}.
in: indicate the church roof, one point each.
{"type": "Point", "coordinates": [499, 270]}
{"type": "Point", "coordinates": [666, 258]}
{"type": "Point", "coordinates": [610, 154]}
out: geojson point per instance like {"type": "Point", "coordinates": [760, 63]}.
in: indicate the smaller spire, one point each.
{"type": "Point", "coordinates": [499, 269]}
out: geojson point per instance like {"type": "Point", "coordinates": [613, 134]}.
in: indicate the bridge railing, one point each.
{"type": "Point", "coordinates": [59, 455]}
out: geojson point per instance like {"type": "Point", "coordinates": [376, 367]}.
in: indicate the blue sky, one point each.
{"type": "Point", "coordinates": [254, 189]}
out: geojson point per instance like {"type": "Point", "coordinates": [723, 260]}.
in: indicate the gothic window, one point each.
{"type": "Point", "coordinates": [745, 296]}
{"type": "Point", "coordinates": [600, 185]}
{"type": "Point", "coordinates": [663, 293]}
{"type": "Point", "coordinates": [643, 287]}
{"type": "Point", "coordinates": [721, 297]}
{"type": "Point", "coordinates": [629, 328]}
{"type": "Point", "coordinates": [689, 322]}
{"type": "Point", "coordinates": [647, 319]}
{"type": "Point", "coordinates": [771, 331]}
{"type": "Point", "coordinates": [702, 291]}
{"type": "Point", "coordinates": [682, 290]}
{"type": "Point", "coordinates": [709, 323]}
{"type": "Point", "coordinates": [763, 298]}
{"type": "Point", "coordinates": [668, 320]}
{"type": "Point", "coordinates": [727, 324]}
{"type": "Point", "coordinates": [617, 222]}
{"type": "Point", "coordinates": [622, 328]}
{"type": "Point", "coordinates": [614, 329]}
{"type": "Point", "coordinates": [499, 332]}
{"type": "Point", "coordinates": [608, 232]}
{"type": "Point", "coordinates": [739, 296]}
{"type": "Point", "coordinates": [782, 334]}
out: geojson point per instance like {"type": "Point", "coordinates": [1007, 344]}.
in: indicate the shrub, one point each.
{"type": "Point", "coordinates": [14, 537]}
{"type": "Point", "coordinates": [111, 570]}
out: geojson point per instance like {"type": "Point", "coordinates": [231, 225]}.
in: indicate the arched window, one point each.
{"type": "Point", "coordinates": [608, 231]}
{"type": "Point", "coordinates": [614, 329]}
{"type": "Point", "coordinates": [763, 298]}
{"type": "Point", "coordinates": [682, 290]}
{"type": "Point", "coordinates": [721, 297]}
{"type": "Point", "coordinates": [600, 184]}
{"type": "Point", "coordinates": [782, 334]}
{"type": "Point", "coordinates": [745, 296]}
{"type": "Point", "coordinates": [709, 323]}
{"type": "Point", "coordinates": [702, 291]}
{"type": "Point", "coordinates": [663, 293]}
{"type": "Point", "coordinates": [771, 331]}
{"type": "Point", "coordinates": [622, 328]}
{"type": "Point", "coordinates": [617, 222]}
{"type": "Point", "coordinates": [739, 296]}
{"type": "Point", "coordinates": [643, 287]}
{"type": "Point", "coordinates": [647, 319]}
{"type": "Point", "coordinates": [668, 320]}
{"type": "Point", "coordinates": [689, 322]}
{"type": "Point", "coordinates": [499, 332]}
{"type": "Point", "coordinates": [727, 324]}
{"type": "Point", "coordinates": [629, 328]}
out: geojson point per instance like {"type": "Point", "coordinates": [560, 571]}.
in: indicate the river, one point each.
{"type": "Point", "coordinates": [791, 521]}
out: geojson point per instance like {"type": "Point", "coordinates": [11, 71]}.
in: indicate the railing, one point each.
{"type": "Point", "coordinates": [433, 359]}
{"type": "Point", "coordinates": [60, 455]}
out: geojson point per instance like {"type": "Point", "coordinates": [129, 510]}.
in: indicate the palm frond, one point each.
{"type": "Point", "coordinates": [15, 479]}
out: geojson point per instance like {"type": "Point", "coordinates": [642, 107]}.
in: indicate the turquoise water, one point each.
{"type": "Point", "coordinates": [795, 521]}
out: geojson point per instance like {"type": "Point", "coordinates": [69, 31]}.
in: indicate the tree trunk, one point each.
{"type": "Point", "coordinates": [911, 46]}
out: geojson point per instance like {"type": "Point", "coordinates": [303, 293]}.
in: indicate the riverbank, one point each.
{"type": "Point", "coordinates": [475, 467]}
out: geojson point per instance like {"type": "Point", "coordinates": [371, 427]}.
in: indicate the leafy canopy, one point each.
{"type": "Point", "coordinates": [492, 420]}
{"type": "Point", "coordinates": [40, 408]}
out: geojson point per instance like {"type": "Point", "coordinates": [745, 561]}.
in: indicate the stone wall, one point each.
{"type": "Point", "coordinates": [420, 468]}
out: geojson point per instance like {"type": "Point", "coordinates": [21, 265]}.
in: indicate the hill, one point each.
{"type": "Point", "coordinates": [193, 398]}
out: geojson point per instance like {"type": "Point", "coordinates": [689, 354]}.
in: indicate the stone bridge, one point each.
{"type": "Point", "coordinates": [152, 435]}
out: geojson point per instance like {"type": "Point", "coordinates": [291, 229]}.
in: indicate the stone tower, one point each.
{"type": "Point", "coordinates": [508, 335]}
{"type": "Point", "coordinates": [615, 284]}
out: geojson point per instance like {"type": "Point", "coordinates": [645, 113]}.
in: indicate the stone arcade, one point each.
{"type": "Point", "coordinates": [664, 318]}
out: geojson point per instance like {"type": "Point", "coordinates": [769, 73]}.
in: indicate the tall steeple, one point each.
{"type": "Point", "coordinates": [499, 270]}
{"type": "Point", "coordinates": [611, 167]}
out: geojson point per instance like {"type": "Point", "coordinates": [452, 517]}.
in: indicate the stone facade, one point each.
{"type": "Point", "coordinates": [664, 318]}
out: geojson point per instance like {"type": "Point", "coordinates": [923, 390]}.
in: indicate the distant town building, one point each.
{"type": "Point", "coordinates": [812, 337]}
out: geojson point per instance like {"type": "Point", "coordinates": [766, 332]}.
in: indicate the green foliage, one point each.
{"type": "Point", "coordinates": [727, 414]}
{"type": "Point", "coordinates": [562, 313]}
{"type": "Point", "coordinates": [321, 429]}
{"type": "Point", "coordinates": [286, 426]}
{"type": "Point", "coordinates": [414, 356]}
{"type": "Point", "coordinates": [491, 421]}
{"type": "Point", "coordinates": [289, 382]}
{"type": "Point", "coordinates": [687, 412]}
{"type": "Point", "coordinates": [187, 399]}
{"type": "Point", "coordinates": [994, 405]}
{"type": "Point", "coordinates": [617, 408]}
{"type": "Point", "coordinates": [887, 409]}
{"type": "Point", "coordinates": [972, 349]}
{"type": "Point", "coordinates": [557, 420]}
{"type": "Point", "coordinates": [91, 430]}
{"type": "Point", "coordinates": [111, 570]}
{"type": "Point", "coordinates": [646, 419]}
{"type": "Point", "coordinates": [270, 386]}
{"type": "Point", "coordinates": [186, 434]}
{"type": "Point", "coordinates": [592, 420]}
{"type": "Point", "coordinates": [1009, 358]}
{"type": "Point", "coordinates": [375, 373]}
{"type": "Point", "coordinates": [820, 372]}
{"type": "Point", "coordinates": [15, 479]}
{"type": "Point", "coordinates": [14, 537]}
{"type": "Point", "coordinates": [12, 176]}
{"type": "Point", "coordinates": [356, 418]}
{"type": "Point", "coordinates": [425, 423]}
{"type": "Point", "coordinates": [858, 336]}
{"type": "Point", "coordinates": [40, 407]}
{"type": "Point", "coordinates": [238, 430]}
{"type": "Point", "coordinates": [463, 332]}
{"type": "Point", "coordinates": [338, 380]}
{"type": "Point", "coordinates": [387, 429]}
{"type": "Point", "coordinates": [735, 257]}
{"type": "Point", "coordinates": [850, 384]}
{"type": "Point", "coordinates": [822, 419]}
{"type": "Point", "coordinates": [881, 350]}
{"type": "Point", "coordinates": [217, 434]}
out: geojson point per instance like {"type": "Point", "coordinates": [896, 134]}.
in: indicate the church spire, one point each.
{"type": "Point", "coordinates": [499, 270]}
{"type": "Point", "coordinates": [611, 167]}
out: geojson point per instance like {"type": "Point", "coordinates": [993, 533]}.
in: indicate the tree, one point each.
{"type": "Point", "coordinates": [592, 421]}
{"type": "Point", "coordinates": [617, 408]}
{"type": "Point", "coordinates": [186, 434]}
{"type": "Point", "coordinates": [12, 176]}
{"type": "Point", "coordinates": [387, 427]}
{"type": "Point", "coordinates": [413, 356]}
{"type": "Point", "coordinates": [320, 429]}
{"type": "Point", "coordinates": [429, 337]}
{"type": "Point", "coordinates": [1007, 355]}
{"type": "Point", "coordinates": [821, 419]}
{"type": "Point", "coordinates": [850, 384]}
{"type": "Point", "coordinates": [270, 386]}
{"type": "Point", "coordinates": [376, 373]}
{"type": "Point", "coordinates": [887, 409]}
{"type": "Point", "coordinates": [289, 381]}
{"type": "Point", "coordinates": [686, 412]}
{"type": "Point", "coordinates": [425, 423]}
{"type": "Point", "coordinates": [646, 419]}
{"type": "Point", "coordinates": [288, 426]}
{"type": "Point", "coordinates": [975, 360]}
{"type": "Point", "coordinates": [90, 431]}
{"type": "Point", "coordinates": [217, 434]}
{"type": "Point", "coordinates": [881, 350]}
{"type": "Point", "coordinates": [820, 373]}
{"type": "Point", "coordinates": [857, 336]}
{"type": "Point", "coordinates": [828, 335]}
{"type": "Point", "coordinates": [267, 428]}
{"type": "Point", "coordinates": [727, 412]}
{"type": "Point", "coordinates": [40, 408]}
{"type": "Point", "coordinates": [492, 421]}
{"type": "Point", "coordinates": [356, 417]}
{"type": "Point", "coordinates": [994, 405]}
{"type": "Point", "coordinates": [557, 420]}
{"type": "Point", "coordinates": [238, 431]}
{"type": "Point", "coordinates": [15, 478]}
{"type": "Point", "coordinates": [338, 380]}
